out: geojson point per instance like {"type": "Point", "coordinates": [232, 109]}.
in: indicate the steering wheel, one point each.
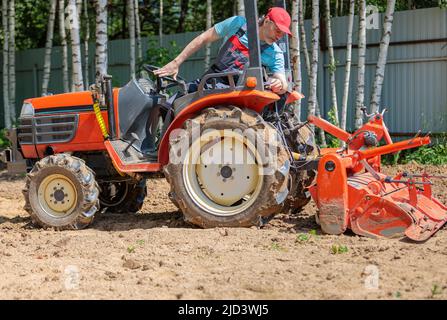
{"type": "Point", "coordinates": [173, 82]}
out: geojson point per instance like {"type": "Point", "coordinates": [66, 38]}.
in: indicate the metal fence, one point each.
{"type": "Point", "coordinates": [414, 90]}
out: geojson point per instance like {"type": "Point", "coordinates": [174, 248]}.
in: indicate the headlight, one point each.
{"type": "Point", "coordinates": [27, 110]}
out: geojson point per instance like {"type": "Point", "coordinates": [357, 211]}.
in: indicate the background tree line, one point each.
{"type": "Point", "coordinates": [178, 16]}
{"type": "Point", "coordinates": [30, 24]}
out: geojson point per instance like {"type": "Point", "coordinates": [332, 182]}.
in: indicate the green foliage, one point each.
{"type": "Point", "coordinates": [338, 249]}
{"type": "Point", "coordinates": [333, 67]}
{"type": "Point", "coordinates": [159, 56]}
{"type": "Point", "coordinates": [131, 249]}
{"type": "Point", "coordinates": [32, 17]}
{"type": "Point", "coordinates": [435, 154]}
{"type": "Point", "coordinates": [302, 237]}
{"type": "Point", "coordinates": [276, 246]}
{"type": "Point", "coordinates": [332, 142]}
{"type": "Point", "coordinates": [4, 142]}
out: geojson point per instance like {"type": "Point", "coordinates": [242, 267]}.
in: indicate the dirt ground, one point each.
{"type": "Point", "coordinates": [155, 255]}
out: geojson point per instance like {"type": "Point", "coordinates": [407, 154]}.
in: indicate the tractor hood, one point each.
{"type": "Point", "coordinates": [66, 102]}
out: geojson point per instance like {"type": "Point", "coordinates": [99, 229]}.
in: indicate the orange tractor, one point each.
{"type": "Point", "coordinates": [233, 156]}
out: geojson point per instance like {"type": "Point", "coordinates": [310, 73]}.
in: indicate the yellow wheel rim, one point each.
{"type": "Point", "coordinates": [204, 173]}
{"type": "Point", "coordinates": [57, 195]}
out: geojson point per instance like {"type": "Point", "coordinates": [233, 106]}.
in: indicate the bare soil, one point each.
{"type": "Point", "coordinates": [155, 255]}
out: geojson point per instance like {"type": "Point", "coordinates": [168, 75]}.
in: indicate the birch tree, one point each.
{"type": "Point", "coordinates": [131, 20]}
{"type": "Point", "coordinates": [240, 8]}
{"type": "Point", "coordinates": [314, 63]}
{"type": "Point", "coordinates": [296, 57]}
{"type": "Point", "coordinates": [73, 16]}
{"type": "Point", "coordinates": [344, 103]}
{"type": "Point", "coordinates": [63, 35]}
{"type": "Point", "coordinates": [209, 18]}
{"type": "Point", "coordinates": [79, 9]}
{"type": "Point", "coordinates": [332, 63]}
{"type": "Point", "coordinates": [101, 58]}
{"type": "Point", "coordinates": [86, 40]}
{"type": "Point", "coordinates": [303, 39]}
{"type": "Point", "coordinates": [305, 51]}
{"type": "Point", "coordinates": [138, 31]}
{"type": "Point", "coordinates": [360, 93]}
{"type": "Point", "coordinates": [6, 101]}
{"type": "Point", "coordinates": [12, 60]}
{"type": "Point", "coordinates": [48, 47]}
{"type": "Point", "coordinates": [381, 61]}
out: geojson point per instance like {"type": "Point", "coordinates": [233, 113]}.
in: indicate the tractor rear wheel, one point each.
{"type": "Point", "coordinates": [61, 192]}
{"type": "Point", "coordinates": [233, 171]}
{"type": "Point", "coordinates": [123, 197]}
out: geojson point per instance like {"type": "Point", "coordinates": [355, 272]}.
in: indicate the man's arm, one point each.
{"type": "Point", "coordinates": [171, 69]}
{"type": "Point", "coordinates": [278, 83]}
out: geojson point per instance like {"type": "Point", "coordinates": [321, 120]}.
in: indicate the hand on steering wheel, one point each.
{"type": "Point", "coordinates": [159, 77]}
{"type": "Point", "coordinates": [171, 69]}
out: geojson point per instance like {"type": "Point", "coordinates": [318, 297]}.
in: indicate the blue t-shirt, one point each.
{"type": "Point", "coordinates": [272, 56]}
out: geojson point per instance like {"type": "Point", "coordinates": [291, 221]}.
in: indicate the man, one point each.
{"type": "Point", "coordinates": [233, 54]}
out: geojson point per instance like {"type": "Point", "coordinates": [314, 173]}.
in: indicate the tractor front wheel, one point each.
{"type": "Point", "coordinates": [61, 192]}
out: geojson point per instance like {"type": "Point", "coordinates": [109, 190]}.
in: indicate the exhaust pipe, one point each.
{"type": "Point", "coordinates": [108, 92]}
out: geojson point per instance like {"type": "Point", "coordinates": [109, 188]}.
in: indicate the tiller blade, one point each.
{"type": "Point", "coordinates": [392, 208]}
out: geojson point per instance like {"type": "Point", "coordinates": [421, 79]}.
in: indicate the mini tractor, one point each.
{"type": "Point", "coordinates": [233, 156]}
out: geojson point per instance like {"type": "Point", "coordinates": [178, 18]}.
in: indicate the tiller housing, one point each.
{"type": "Point", "coordinates": [350, 191]}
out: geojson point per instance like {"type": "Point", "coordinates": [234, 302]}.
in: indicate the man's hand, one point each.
{"type": "Point", "coordinates": [275, 85]}
{"type": "Point", "coordinates": [171, 69]}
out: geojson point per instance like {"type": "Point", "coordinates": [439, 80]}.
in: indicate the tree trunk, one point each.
{"type": "Point", "coordinates": [344, 104]}
{"type": "Point", "coordinates": [332, 64]}
{"type": "Point", "coordinates": [6, 101]}
{"type": "Point", "coordinates": [381, 61]}
{"type": "Point", "coordinates": [101, 59]}
{"type": "Point", "coordinates": [183, 12]}
{"type": "Point", "coordinates": [138, 31]}
{"type": "Point", "coordinates": [77, 82]}
{"type": "Point", "coordinates": [131, 21]}
{"type": "Point", "coordinates": [160, 25]}
{"type": "Point", "coordinates": [48, 48]}
{"type": "Point", "coordinates": [314, 63]}
{"type": "Point", "coordinates": [12, 60]}
{"type": "Point", "coordinates": [305, 51]}
{"type": "Point", "coordinates": [209, 18]}
{"type": "Point", "coordinates": [295, 56]}
{"type": "Point", "coordinates": [79, 10]}
{"type": "Point", "coordinates": [313, 108]}
{"type": "Point", "coordinates": [360, 94]}
{"type": "Point", "coordinates": [63, 36]}
{"type": "Point", "coordinates": [86, 40]}
{"type": "Point", "coordinates": [240, 8]}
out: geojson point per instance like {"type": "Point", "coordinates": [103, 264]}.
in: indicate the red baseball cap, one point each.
{"type": "Point", "coordinates": [281, 18]}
